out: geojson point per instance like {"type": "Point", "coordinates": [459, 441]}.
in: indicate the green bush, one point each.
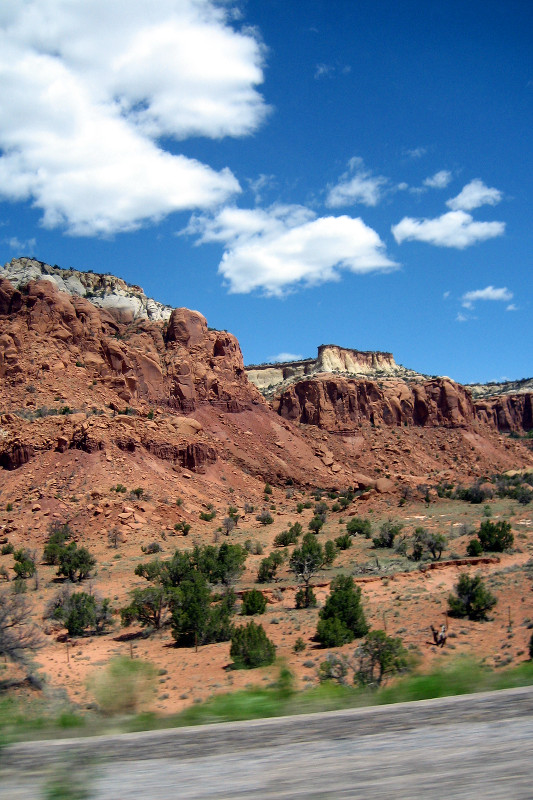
{"type": "Point", "coordinates": [24, 565]}
{"type": "Point", "coordinates": [330, 552]}
{"type": "Point", "coordinates": [387, 534]}
{"type": "Point", "coordinates": [380, 656]}
{"type": "Point", "coordinates": [342, 618]}
{"type": "Point", "coordinates": [269, 567]}
{"type": "Point", "coordinates": [253, 602]}
{"type": "Point", "coordinates": [344, 542]}
{"type": "Point", "coordinates": [265, 518]}
{"type": "Point", "coordinates": [495, 536]}
{"type": "Point", "coordinates": [471, 599]}
{"type": "Point", "coordinates": [316, 524]}
{"type": "Point", "coordinates": [288, 537]}
{"type": "Point", "coordinates": [474, 548]}
{"type": "Point", "coordinates": [251, 647]}
{"type": "Point", "coordinates": [358, 525]}
{"type": "Point", "coordinates": [7, 549]}
{"type": "Point", "coordinates": [305, 598]}
{"type": "Point", "coordinates": [75, 563]}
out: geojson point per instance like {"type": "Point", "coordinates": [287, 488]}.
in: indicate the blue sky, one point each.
{"type": "Point", "coordinates": [323, 171]}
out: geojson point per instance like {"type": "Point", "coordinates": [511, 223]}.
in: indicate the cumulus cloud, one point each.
{"type": "Point", "coordinates": [283, 247]}
{"type": "Point", "coordinates": [89, 91]}
{"type": "Point", "coordinates": [474, 195]}
{"type": "Point", "coordinates": [453, 229]}
{"type": "Point", "coordinates": [489, 293]}
{"type": "Point", "coordinates": [356, 185]}
{"type": "Point", "coordinates": [439, 180]}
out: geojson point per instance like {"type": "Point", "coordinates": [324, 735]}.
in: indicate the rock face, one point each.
{"type": "Point", "coordinates": [273, 378]}
{"type": "Point", "coordinates": [338, 404]}
{"type": "Point", "coordinates": [124, 301]}
{"type": "Point", "coordinates": [507, 413]}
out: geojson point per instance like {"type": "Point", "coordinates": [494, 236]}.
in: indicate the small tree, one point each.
{"type": "Point", "coordinates": [471, 599]}
{"type": "Point", "coordinates": [75, 563]}
{"type": "Point", "coordinates": [24, 565]}
{"type": "Point", "coordinates": [253, 602]}
{"type": "Point", "coordinates": [265, 518]}
{"type": "Point", "coordinates": [147, 607]}
{"type": "Point", "coordinates": [342, 618]}
{"type": "Point", "coordinates": [316, 524]}
{"type": "Point", "coordinates": [228, 524]}
{"type": "Point", "coordinates": [251, 647]}
{"type": "Point", "coordinates": [474, 548]}
{"type": "Point", "coordinates": [344, 541]}
{"type": "Point", "coordinates": [269, 567]}
{"type": "Point", "coordinates": [380, 656]}
{"type": "Point", "coordinates": [495, 536]}
{"type": "Point", "coordinates": [305, 562]}
{"type": "Point", "coordinates": [59, 535]}
{"type": "Point", "coordinates": [18, 634]}
{"type": "Point", "coordinates": [387, 533]}
{"type": "Point", "coordinates": [330, 552]}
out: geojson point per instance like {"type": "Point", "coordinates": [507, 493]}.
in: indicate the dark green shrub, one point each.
{"type": "Point", "coordinates": [267, 489]}
{"type": "Point", "coordinates": [316, 524]}
{"type": "Point", "coordinates": [474, 548]}
{"type": "Point", "coordinates": [305, 598]}
{"type": "Point", "coordinates": [269, 567]}
{"type": "Point", "coordinates": [207, 516]}
{"type": "Point", "coordinates": [358, 525]}
{"type": "Point", "coordinates": [342, 618]}
{"type": "Point", "coordinates": [7, 549]}
{"type": "Point", "coordinates": [495, 536]}
{"type": "Point", "coordinates": [147, 607]}
{"type": "Point", "coordinates": [471, 599]}
{"type": "Point", "coordinates": [387, 534]}
{"type": "Point", "coordinates": [251, 647]}
{"type": "Point", "coordinates": [380, 656]}
{"type": "Point", "coordinates": [75, 563]}
{"type": "Point", "coordinates": [59, 535]}
{"type": "Point", "coordinates": [330, 552]}
{"type": "Point", "coordinates": [151, 549]}
{"type": "Point", "coordinates": [344, 542]}
{"type": "Point", "coordinates": [24, 565]}
{"type": "Point", "coordinates": [253, 602]}
{"type": "Point", "coordinates": [299, 645]}
{"type": "Point", "coordinates": [264, 518]}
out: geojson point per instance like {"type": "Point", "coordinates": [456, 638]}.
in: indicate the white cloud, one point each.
{"type": "Point", "coordinates": [453, 229]}
{"type": "Point", "coordinates": [89, 90]}
{"type": "Point", "coordinates": [26, 246]}
{"type": "Point", "coordinates": [282, 358]}
{"type": "Point", "coordinates": [416, 152]}
{"type": "Point", "coordinates": [324, 71]}
{"type": "Point", "coordinates": [511, 307]}
{"type": "Point", "coordinates": [461, 317]}
{"type": "Point", "coordinates": [474, 195]}
{"type": "Point", "coordinates": [489, 293]}
{"type": "Point", "coordinates": [283, 247]}
{"type": "Point", "coordinates": [439, 180]}
{"type": "Point", "coordinates": [361, 187]}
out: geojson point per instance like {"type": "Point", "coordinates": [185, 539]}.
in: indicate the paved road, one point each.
{"type": "Point", "coordinates": [475, 746]}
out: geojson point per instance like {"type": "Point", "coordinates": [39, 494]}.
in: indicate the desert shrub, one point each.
{"type": "Point", "coordinates": [387, 534]}
{"type": "Point", "coordinates": [7, 549]}
{"type": "Point", "coordinates": [334, 668]}
{"type": "Point", "coordinates": [251, 647]}
{"type": "Point", "coordinates": [344, 542]}
{"type": "Point", "coordinates": [184, 527]}
{"type": "Point", "coordinates": [138, 492]}
{"type": "Point", "coordinates": [427, 540]}
{"type": "Point", "coordinates": [299, 645]}
{"type": "Point", "coordinates": [358, 525]}
{"type": "Point", "coordinates": [269, 567]}
{"type": "Point", "coordinates": [265, 518]}
{"type": "Point", "coordinates": [495, 536]}
{"type": "Point", "coordinates": [316, 524]}
{"type": "Point", "coordinates": [305, 561]}
{"type": "Point", "coordinates": [24, 565]}
{"type": "Point", "coordinates": [330, 552]}
{"type": "Point", "coordinates": [305, 598]}
{"type": "Point", "coordinates": [342, 618]}
{"type": "Point", "coordinates": [59, 535]}
{"type": "Point", "coordinates": [379, 656]}
{"type": "Point", "coordinates": [207, 516]}
{"type": "Point", "coordinates": [256, 548]}
{"type": "Point", "coordinates": [75, 563]}
{"type": "Point", "coordinates": [267, 489]}
{"type": "Point", "coordinates": [196, 619]}
{"type": "Point", "coordinates": [471, 599]}
{"type": "Point", "coordinates": [289, 536]}
{"type": "Point", "coordinates": [151, 548]}
{"type": "Point", "coordinates": [253, 602]}
{"type": "Point", "coordinates": [472, 494]}
{"type": "Point", "coordinates": [124, 686]}
{"type": "Point", "coordinates": [249, 508]}
{"type": "Point", "coordinates": [147, 607]}
{"type": "Point", "coordinates": [228, 524]}
{"type": "Point", "coordinates": [474, 548]}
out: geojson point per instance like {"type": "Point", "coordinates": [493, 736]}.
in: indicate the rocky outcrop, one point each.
{"type": "Point", "coordinates": [274, 378]}
{"type": "Point", "coordinates": [335, 403]}
{"type": "Point", "coordinates": [507, 413]}
{"type": "Point", "coordinates": [124, 301]}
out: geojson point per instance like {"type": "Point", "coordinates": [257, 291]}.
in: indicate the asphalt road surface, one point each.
{"type": "Point", "coordinates": [475, 746]}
